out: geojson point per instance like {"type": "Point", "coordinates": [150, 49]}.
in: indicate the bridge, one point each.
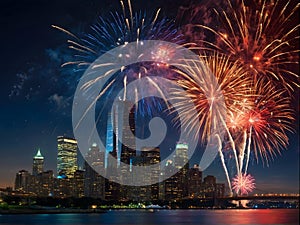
{"type": "Point", "coordinates": [282, 197]}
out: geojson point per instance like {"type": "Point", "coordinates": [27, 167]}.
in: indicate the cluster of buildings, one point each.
{"type": "Point", "coordinates": [183, 182]}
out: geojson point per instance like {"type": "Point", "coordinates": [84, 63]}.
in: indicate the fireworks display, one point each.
{"type": "Point", "coordinates": [119, 29]}
{"type": "Point", "coordinates": [243, 184]}
{"type": "Point", "coordinates": [259, 112]}
{"type": "Point", "coordinates": [267, 120]}
{"type": "Point", "coordinates": [262, 36]}
{"type": "Point", "coordinates": [232, 86]}
{"type": "Point", "coordinates": [251, 53]}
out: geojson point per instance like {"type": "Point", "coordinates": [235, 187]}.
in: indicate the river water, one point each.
{"type": "Point", "coordinates": [128, 217]}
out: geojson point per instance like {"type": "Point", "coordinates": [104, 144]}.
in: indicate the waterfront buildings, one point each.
{"type": "Point", "coordinates": [194, 182]}
{"type": "Point", "coordinates": [88, 183]}
{"type": "Point", "coordinates": [38, 163]}
{"type": "Point", "coordinates": [128, 150]}
{"type": "Point", "coordinates": [181, 163]}
{"type": "Point", "coordinates": [22, 181]}
{"type": "Point", "coordinates": [93, 181]}
{"type": "Point", "coordinates": [149, 159]}
{"type": "Point", "coordinates": [66, 156]}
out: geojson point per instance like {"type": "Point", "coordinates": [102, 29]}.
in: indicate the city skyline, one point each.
{"type": "Point", "coordinates": [39, 159]}
{"type": "Point", "coordinates": [36, 93]}
{"type": "Point", "coordinates": [73, 182]}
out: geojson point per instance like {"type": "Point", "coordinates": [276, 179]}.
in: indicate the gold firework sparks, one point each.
{"type": "Point", "coordinates": [262, 36]}
{"type": "Point", "coordinates": [231, 88]}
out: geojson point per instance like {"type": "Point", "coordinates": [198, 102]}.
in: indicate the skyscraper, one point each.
{"type": "Point", "coordinates": [93, 182]}
{"type": "Point", "coordinates": [45, 184]}
{"type": "Point", "coordinates": [78, 184]}
{"type": "Point", "coordinates": [121, 129]}
{"type": "Point", "coordinates": [38, 163]}
{"type": "Point", "coordinates": [181, 156]}
{"type": "Point", "coordinates": [128, 150]}
{"type": "Point", "coordinates": [109, 135]}
{"type": "Point", "coordinates": [66, 156]}
{"type": "Point", "coordinates": [151, 156]}
{"type": "Point", "coordinates": [150, 177]}
{"type": "Point", "coordinates": [113, 133]}
{"type": "Point", "coordinates": [194, 184]}
{"type": "Point", "coordinates": [22, 181]}
{"type": "Point", "coordinates": [170, 185]}
{"type": "Point", "coordinates": [112, 188]}
{"type": "Point", "coordinates": [209, 186]}
{"type": "Point", "coordinates": [181, 164]}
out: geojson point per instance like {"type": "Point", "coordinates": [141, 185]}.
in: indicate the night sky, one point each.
{"type": "Point", "coordinates": [36, 93]}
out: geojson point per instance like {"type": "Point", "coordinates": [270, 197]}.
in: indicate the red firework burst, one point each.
{"type": "Point", "coordinates": [267, 120]}
{"type": "Point", "coordinates": [243, 184]}
{"type": "Point", "coordinates": [263, 36]}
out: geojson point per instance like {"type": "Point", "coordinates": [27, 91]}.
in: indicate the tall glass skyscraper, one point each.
{"type": "Point", "coordinates": [114, 133]}
{"type": "Point", "coordinates": [66, 156]}
{"type": "Point", "coordinates": [181, 155]}
{"type": "Point", "coordinates": [121, 129]}
{"type": "Point", "coordinates": [151, 156]}
{"type": "Point", "coordinates": [22, 181]}
{"type": "Point", "coordinates": [175, 187]}
{"type": "Point", "coordinates": [38, 163]}
{"type": "Point", "coordinates": [94, 183]}
{"type": "Point", "coordinates": [181, 163]}
{"type": "Point", "coordinates": [128, 150]}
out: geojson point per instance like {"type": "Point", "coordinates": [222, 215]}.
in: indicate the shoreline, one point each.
{"type": "Point", "coordinates": [98, 211]}
{"type": "Point", "coordinates": [50, 211]}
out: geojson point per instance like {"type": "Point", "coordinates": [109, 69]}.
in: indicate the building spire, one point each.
{"type": "Point", "coordinates": [38, 155]}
